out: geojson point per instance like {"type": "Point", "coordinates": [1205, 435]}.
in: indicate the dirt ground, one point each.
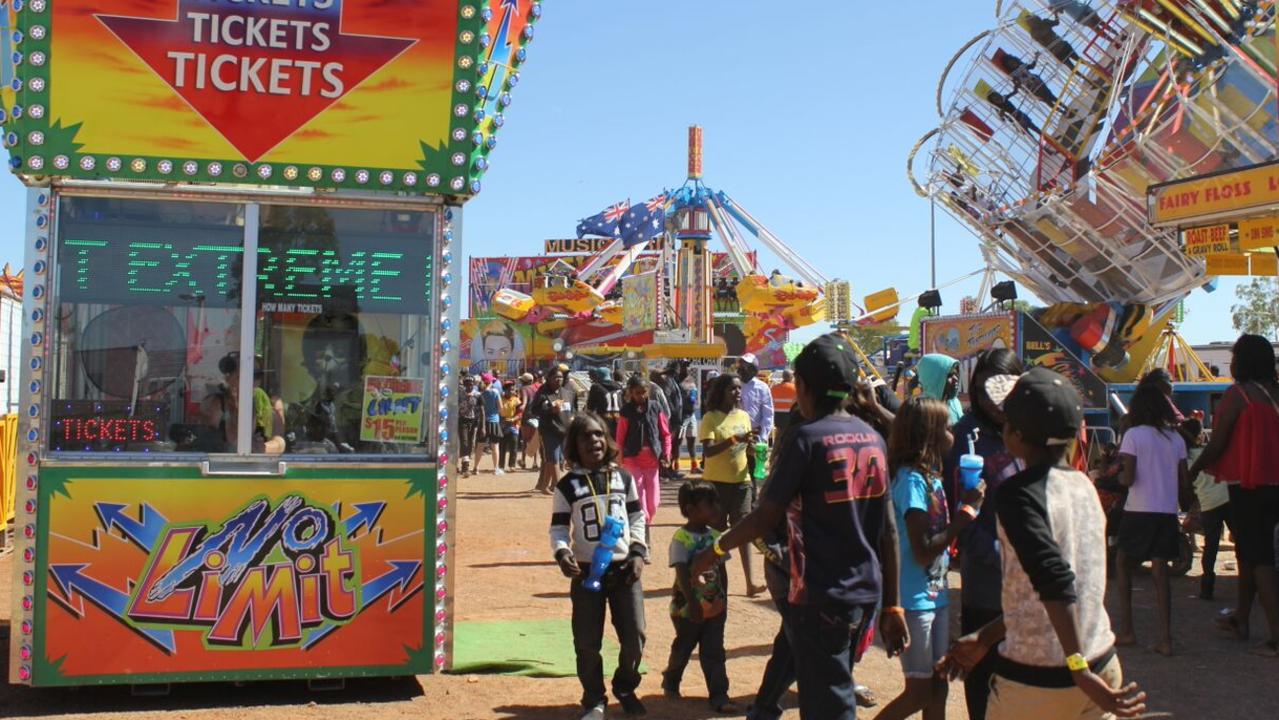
{"type": "Point", "coordinates": [505, 573]}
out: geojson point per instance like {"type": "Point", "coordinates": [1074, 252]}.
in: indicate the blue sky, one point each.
{"type": "Point", "coordinates": [809, 111]}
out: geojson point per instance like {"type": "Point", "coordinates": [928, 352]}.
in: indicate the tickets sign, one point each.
{"type": "Point", "coordinates": [374, 94]}
{"type": "Point", "coordinates": [392, 409]}
{"type": "Point", "coordinates": [1205, 240]}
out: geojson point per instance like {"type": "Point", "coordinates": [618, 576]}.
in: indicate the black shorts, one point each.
{"type": "Point", "coordinates": [492, 432]}
{"type": "Point", "coordinates": [1147, 536]}
{"type": "Point", "coordinates": [735, 500]}
{"type": "Point", "coordinates": [1255, 515]}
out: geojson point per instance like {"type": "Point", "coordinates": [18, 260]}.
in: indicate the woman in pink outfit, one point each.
{"type": "Point", "coordinates": [644, 436]}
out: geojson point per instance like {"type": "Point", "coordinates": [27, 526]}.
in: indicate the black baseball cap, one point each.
{"type": "Point", "coordinates": [827, 365]}
{"type": "Point", "coordinates": [1044, 407]}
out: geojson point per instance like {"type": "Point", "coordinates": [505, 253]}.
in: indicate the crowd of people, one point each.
{"type": "Point", "coordinates": [862, 502]}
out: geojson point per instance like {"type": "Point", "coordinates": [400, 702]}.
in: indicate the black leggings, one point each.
{"type": "Point", "coordinates": [1213, 521]}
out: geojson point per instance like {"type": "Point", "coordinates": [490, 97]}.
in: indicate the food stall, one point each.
{"type": "Point", "coordinates": [243, 236]}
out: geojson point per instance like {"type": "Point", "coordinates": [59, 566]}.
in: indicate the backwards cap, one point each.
{"type": "Point", "coordinates": [827, 365]}
{"type": "Point", "coordinates": [1043, 406]}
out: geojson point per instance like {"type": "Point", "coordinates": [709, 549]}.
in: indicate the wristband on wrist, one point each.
{"type": "Point", "coordinates": [894, 610]}
{"type": "Point", "coordinates": [968, 510]}
{"type": "Point", "coordinates": [719, 551]}
{"type": "Point", "coordinates": [1076, 662]}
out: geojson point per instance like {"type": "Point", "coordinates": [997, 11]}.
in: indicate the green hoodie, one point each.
{"type": "Point", "coordinates": [933, 369]}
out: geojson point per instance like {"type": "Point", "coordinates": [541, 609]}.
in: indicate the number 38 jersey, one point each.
{"type": "Point", "coordinates": [831, 474]}
{"type": "Point", "coordinates": [575, 511]}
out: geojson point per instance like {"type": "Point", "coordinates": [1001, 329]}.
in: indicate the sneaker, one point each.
{"type": "Point", "coordinates": [631, 705]}
{"type": "Point", "coordinates": [595, 713]}
{"type": "Point", "coordinates": [499, 471]}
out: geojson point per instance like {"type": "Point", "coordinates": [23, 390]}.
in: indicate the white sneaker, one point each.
{"type": "Point", "coordinates": [499, 471]}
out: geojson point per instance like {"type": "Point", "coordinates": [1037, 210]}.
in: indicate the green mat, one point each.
{"type": "Point", "coordinates": [535, 648]}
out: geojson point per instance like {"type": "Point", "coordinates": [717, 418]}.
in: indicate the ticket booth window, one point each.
{"type": "Point", "coordinates": [343, 337]}
{"type": "Point", "coordinates": [146, 346]}
{"type": "Point", "coordinates": [147, 303]}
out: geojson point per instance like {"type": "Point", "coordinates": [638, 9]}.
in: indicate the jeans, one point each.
{"type": "Point", "coordinates": [625, 603]}
{"type": "Point", "coordinates": [707, 637]}
{"type": "Point", "coordinates": [466, 429]}
{"type": "Point", "coordinates": [929, 638]}
{"type": "Point", "coordinates": [977, 684]}
{"type": "Point", "coordinates": [779, 673]}
{"type": "Point", "coordinates": [821, 644]}
{"type": "Point", "coordinates": [552, 447]}
{"type": "Point", "coordinates": [508, 448]}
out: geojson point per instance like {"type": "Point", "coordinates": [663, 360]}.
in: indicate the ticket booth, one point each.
{"type": "Point", "coordinates": [241, 321]}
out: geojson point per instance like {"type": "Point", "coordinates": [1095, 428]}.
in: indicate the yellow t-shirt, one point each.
{"type": "Point", "coordinates": [508, 407]}
{"type": "Point", "coordinates": [729, 466]}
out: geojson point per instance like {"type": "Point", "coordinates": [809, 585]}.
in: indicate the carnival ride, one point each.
{"type": "Point", "coordinates": [677, 226]}
{"type": "Point", "coordinates": [1062, 115]}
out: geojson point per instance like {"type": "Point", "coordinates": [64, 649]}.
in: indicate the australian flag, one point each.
{"type": "Point", "coordinates": [605, 223]}
{"type": "Point", "coordinates": [644, 222]}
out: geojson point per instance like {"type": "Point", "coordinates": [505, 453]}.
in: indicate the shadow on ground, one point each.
{"type": "Point", "coordinates": [18, 700]}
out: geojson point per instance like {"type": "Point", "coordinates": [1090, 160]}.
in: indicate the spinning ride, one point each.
{"type": "Point", "coordinates": [1054, 122]}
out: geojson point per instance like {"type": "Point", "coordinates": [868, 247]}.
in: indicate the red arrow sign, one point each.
{"type": "Point", "coordinates": [256, 73]}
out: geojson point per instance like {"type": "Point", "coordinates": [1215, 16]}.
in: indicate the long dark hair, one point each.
{"type": "Point", "coordinates": [1149, 406]}
{"type": "Point", "coordinates": [575, 430]}
{"type": "Point", "coordinates": [1253, 360]}
{"type": "Point", "coordinates": [918, 439]}
{"type": "Point", "coordinates": [1158, 378]}
{"type": "Point", "coordinates": [999, 361]}
{"type": "Point", "coordinates": [719, 390]}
